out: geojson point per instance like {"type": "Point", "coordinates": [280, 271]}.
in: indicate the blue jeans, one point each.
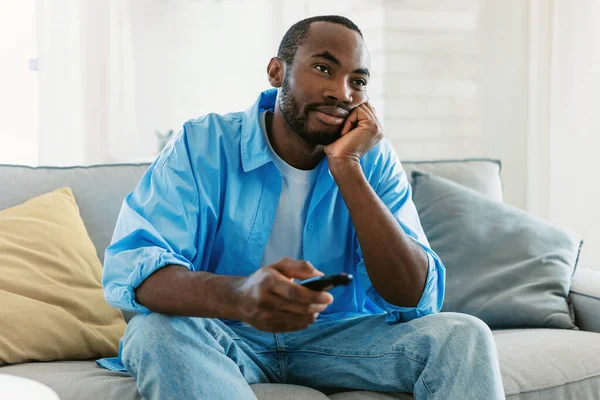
{"type": "Point", "coordinates": [442, 356]}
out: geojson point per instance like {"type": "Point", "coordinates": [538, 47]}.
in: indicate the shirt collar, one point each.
{"type": "Point", "coordinates": [254, 148]}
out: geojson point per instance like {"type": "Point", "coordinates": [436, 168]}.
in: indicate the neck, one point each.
{"type": "Point", "coordinates": [289, 146]}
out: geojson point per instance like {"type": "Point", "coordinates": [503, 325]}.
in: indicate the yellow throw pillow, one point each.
{"type": "Point", "coordinates": [52, 305]}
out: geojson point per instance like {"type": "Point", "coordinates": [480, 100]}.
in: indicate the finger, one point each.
{"type": "Point", "coordinates": [298, 269]}
{"type": "Point", "coordinates": [368, 108]}
{"type": "Point", "coordinates": [296, 293]}
{"type": "Point", "coordinates": [277, 303]}
{"type": "Point", "coordinates": [351, 120]}
{"type": "Point", "coordinates": [371, 107]}
{"type": "Point", "coordinates": [364, 113]}
{"type": "Point", "coordinates": [360, 115]}
{"type": "Point", "coordinates": [368, 111]}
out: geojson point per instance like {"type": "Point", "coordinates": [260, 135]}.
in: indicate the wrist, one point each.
{"type": "Point", "coordinates": [341, 167]}
{"type": "Point", "coordinates": [236, 306]}
{"type": "Point", "coordinates": [226, 300]}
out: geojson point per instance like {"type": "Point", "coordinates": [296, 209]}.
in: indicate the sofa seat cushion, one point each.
{"type": "Point", "coordinates": [76, 380]}
{"type": "Point", "coordinates": [73, 380]}
{"type": "Point", "coordinates": [549, 363]}
{"type": "Point", "coordinates": [535, 364]}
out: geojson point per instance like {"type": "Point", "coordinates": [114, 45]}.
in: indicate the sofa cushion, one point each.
{"type": "Point", "coordinates": [503, 266]}
{"type": "Point", "coordinates": [540, 364]}
{"type": "Point", "coordinates": [481, 175]}
{"type": "Point", "coordinates": [535, 364]}
{"type": "Point", "coordinates": [99, 191]}
{"type": "Point", "coordinates": [52, 302]}
{"type": "Point", "coordinates": [76, 380]}
{"type": "Point", "coordinates": [585, 296]}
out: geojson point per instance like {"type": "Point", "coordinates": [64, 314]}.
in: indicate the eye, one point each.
{"type": "Point", "coordinates": [323, 68]}
{"type": "Point", "coordinates": [360, 82]}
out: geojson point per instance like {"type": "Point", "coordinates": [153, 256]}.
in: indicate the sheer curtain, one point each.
{"type": "Point", "coordinates": [541, 117]}
{"type": "Point", "coordinates": [114, 72]}
{"type": "Point", "coordinates": [84, 65]}
{"type": "Point", "coordinates": [574, 122]}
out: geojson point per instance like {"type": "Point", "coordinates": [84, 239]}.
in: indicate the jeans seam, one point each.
{"type": "Point", "coordinates": [422, 377]}
{"type": "Point", "coordinates": [369, 356]}
{"type": "Point", "coordinates": [327, 353]}
{"type": "Point", "coordinates": [280, 357]}
{"type": "Point", "coordinates": [132, 366]}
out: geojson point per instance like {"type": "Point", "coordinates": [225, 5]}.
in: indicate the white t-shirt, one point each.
{"type": "Point", "coordinates": [288, 228]}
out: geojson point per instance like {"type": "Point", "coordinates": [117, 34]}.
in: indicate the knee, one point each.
{"type": "Point", "coordinates": [463, 328]}
{"type": "Point", "coordinates": [154, 330]}
{"type": "Point", "coordinates": [146, 331]}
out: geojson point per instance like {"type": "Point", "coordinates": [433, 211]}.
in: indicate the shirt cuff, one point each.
{"type": "Point", "coordinates": [123, 296]}
{"type": "Point", "coordinates": [426, 305]}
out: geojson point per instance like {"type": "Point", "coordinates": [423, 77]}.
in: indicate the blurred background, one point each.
{"type": "Point", "coordinates": [105, 81]}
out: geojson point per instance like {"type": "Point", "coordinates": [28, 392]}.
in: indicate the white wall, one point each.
{"type": "Point", "coordinates": [432, 89]}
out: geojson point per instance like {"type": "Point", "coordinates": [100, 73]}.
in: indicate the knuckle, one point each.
{"type": "Point", "coordinates": [269, 279]}
{"type": "Point", "coordinates": [266, 270]}
{"type": "Point", "coordinates": [262, 302]}
{"type": "Point", "coordinates": [306, 264]}
{"type": "Point", "coordinates": [291, 293]}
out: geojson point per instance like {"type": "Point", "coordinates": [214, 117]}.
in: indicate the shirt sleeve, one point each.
{"type": "Point", "coordinates": [392, 186]}
{"type": "Point", "coordinates": [157, 226]}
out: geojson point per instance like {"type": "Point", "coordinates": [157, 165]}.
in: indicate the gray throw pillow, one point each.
{"type": "Point", "coordinates": [504, 266]}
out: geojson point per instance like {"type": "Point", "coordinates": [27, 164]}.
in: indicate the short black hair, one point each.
{"type": "Point", "coordinates": [298, 32]}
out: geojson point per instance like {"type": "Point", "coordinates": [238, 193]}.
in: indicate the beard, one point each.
{"type": "Point", "coordinates": [297, 118]}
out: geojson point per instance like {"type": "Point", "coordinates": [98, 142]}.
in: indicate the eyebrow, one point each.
{"type": "Point", "coordinates": [328, 56]}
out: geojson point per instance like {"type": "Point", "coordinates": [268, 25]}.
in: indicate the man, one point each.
{"type": "Point", "coordinates": [208, 248]}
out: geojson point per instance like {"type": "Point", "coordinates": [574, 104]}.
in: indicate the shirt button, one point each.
{"type": "Point", "coordinates": [310, 227]}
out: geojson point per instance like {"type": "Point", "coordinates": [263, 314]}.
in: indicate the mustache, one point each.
{"type": "Point", "coordinates": [315, 106]}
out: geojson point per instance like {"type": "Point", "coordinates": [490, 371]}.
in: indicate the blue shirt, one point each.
{"type": "Point", "coordinates": [208, 203]}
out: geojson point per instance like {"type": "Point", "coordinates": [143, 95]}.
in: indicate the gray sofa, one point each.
{"type": "Point", "coordinates": [535, 363]}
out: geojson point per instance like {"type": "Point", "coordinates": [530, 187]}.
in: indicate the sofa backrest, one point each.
{"type": "Point", "coordinates": [100, 190]}
{"type": "Point", "coordinates": [482, 175]}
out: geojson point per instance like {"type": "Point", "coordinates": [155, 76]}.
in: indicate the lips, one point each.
{"type": "Point", "coordinates": [331, 115]}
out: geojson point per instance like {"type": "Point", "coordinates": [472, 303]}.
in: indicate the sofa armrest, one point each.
{"type": "Point", "coordinates": [585, 297]}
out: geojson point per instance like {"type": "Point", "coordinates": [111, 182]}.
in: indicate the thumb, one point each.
{"type": "Point", "coordinates": [298, 269]}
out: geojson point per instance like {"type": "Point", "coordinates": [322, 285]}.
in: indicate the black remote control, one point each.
{"type": "Point", "coordinates": [325, 281]}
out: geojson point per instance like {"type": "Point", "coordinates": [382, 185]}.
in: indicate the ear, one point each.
{"type": "Point", "coordinates": [276, 72]}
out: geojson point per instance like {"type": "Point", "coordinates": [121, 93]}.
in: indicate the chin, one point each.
{"type": "Point", "coordinates": [324, 137]}
{"type": "Point", "coordinates": [321, 138]}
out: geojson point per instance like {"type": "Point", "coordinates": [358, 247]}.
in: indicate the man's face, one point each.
{"type": "Point", "coordinates": [326, 81]}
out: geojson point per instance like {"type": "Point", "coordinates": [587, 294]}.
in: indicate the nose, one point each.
{"type": "Point", "coordinates": [340, 92]}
